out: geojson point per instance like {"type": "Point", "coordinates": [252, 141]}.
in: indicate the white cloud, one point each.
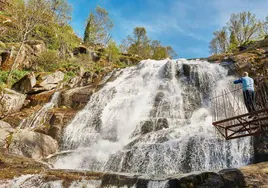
{"type": "Point", "coordinates": [161, 18]}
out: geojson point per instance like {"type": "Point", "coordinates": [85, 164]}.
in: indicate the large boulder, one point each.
{"type": "Point", "coordinates": [15, 119]}
{"type": "Point", "coordinates": [32, 48]}
{"type": "Point", "coordinates": [10, 102]}
{"type": "Point", "coordinates": [46, 82]}
{"type": "Point", "coordinates": [4, 125]}
{"type": "Point", "coordinates": [25, 84]}
{"type": "Point", "coordinates": [77, 97]}
{"type": "Point", "coordinates": [54, 78]}
{"type": "Point", "coordinates": [93, 55]}
{"type": "Point", "coordinates": [4, 135]}
{"type": "Point", "coordinates": [58, 119]}
{"type": "Point", "coordinates": [5, 131]}
{"type": "Point", "coordinates": [32, 144]}
{"type": "Point", "coordinates": [40, 98]}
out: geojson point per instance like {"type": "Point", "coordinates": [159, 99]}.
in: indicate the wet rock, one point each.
{"type": "Point", "coordinates": [10, 102]}
{"type": "Point", "coordinates": [15, 119]}
{"type": "Point", "coordinates": [4, 133]}
{"type": "Point", "coordinates": [159, 97]}
{"type": "Point", "coordinates": [40, 98]}
{"type": "Point", "coordinates": [77, 97]}
{"type": "Point", "coordinates": [232, 178]}
{"type": "Point", "coordinates": [12, 166]}
{"type": "Point", "coordinates": [25, 84]}
{"type": "Point", "coordinates": [161, 123]}
{"type": "Point", "coordinates": [146, 127]}
{"type": "Point", "coordinates": [186, 70]}
{"type": "Point", "coordinates": [58, 119]}
{"type": "Point", "coordinates": [32, 144]}
{"type": "Point", "coordinates": [260, 144]}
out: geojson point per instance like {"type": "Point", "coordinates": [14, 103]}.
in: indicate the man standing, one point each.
{"type": "Point", "coordinates": [248, 91]}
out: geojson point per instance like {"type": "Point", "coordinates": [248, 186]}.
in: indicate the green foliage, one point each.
{"type": "Point", "coordinates": [69, 75]}
{"type": "Point", "coordinates": [48, 35]}
{"type": "Point", "coordinates": [141, 45]}
{"type": "Point", "coordinates": [112, 52]}
{"type": "Point", "coordinates": [233, 42]}
{"type": "Point", "coordinates": [47, 61]}
{"type": "Point", "coordinates": [264, 26]}
{"type": "Point", "coordinates": [98, 27]}
{"type": "Point", "coordinates": [160, 52]}
{"type": "Point", "coordinates": [16, 76]}
{"type": "Point", "coordinates": [240, 29]}
{"type": "Point", "coordinates": [40, 20]}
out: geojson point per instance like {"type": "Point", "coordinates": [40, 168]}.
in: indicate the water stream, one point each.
{"type": "Point", "coordinates": [154, 119]}
{"type": "Point", "coordinates": [36, 118]}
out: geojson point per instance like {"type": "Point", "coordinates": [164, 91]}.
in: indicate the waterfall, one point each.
{"type": "Point", "coordinates": [36, 118]}
{"type": "Point", "coordinates": [154, 118]}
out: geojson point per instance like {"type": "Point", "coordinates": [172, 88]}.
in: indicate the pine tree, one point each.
{"type": "Point", "coordinates": [233, 42]}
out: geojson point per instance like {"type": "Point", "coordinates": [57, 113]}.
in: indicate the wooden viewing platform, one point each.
{"type": "Point", "coordinates": [231, 118]}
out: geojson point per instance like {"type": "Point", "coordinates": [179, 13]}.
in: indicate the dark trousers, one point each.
{"type": "Point", "coordinates": [249, 98]}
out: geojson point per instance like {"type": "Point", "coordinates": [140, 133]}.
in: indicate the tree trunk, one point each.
{"type": "Point", "coordinates": [9, 77]}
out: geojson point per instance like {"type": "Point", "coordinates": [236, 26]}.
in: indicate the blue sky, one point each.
{"type": "Point", "coordinates": [186, 25]}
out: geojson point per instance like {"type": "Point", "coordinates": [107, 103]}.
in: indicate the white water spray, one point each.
{"type": "Point", "coordinates": [36, 118]}
{"type": "Point", "coordinates": [153, 119]}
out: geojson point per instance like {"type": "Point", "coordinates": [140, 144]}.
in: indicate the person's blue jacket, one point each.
{"type": "Point", "coordinates": [247, 83]}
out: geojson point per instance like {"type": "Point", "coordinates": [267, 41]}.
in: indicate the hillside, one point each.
{"type": "Point", "coordinates": [252, 58]}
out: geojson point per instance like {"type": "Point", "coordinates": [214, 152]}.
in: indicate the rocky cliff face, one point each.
{"type": "Point", "coordinates": [252, 58]}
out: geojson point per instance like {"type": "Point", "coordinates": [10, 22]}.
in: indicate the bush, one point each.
{"type": "Point", "coordinates": [16, 76]}
{"type": "Point", "coordinates": [47, 61]}
{"type": "Point", "coordinates": [69, 75]}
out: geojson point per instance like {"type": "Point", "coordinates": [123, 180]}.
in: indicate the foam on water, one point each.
{"type": "Point", "coordinates": [154, 119]}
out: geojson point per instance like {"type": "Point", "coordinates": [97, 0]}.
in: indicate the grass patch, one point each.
{"type": "Point", "coordinates": [16, 76]}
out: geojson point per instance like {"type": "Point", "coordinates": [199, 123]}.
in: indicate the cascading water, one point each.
{"type": "Point", "coordinates": [37, 118]}
{"type": "Point", "coordinates": [153, 119]}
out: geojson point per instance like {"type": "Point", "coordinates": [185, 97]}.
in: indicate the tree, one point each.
{"type": "Point", "coordinates": [112, 51]}
{"type": "Point", "coordinates": [264, 26]}
{"type": "Point", "coordinates": [171, 52]}
{"type": "Point", "coordinates": [233, 41]}
{"type": "Point", "coordinates": [139, 43]}
{"type": "Point", "coordinates": [214, 46]}
{"type": "Point", "coordinates": [220, 42]}
{"type": "Point", "coordinates": [98, 27]}
{"type": "Point", "coordinates": [61, 11]}
{"type": "Point", "coordinates": [245, 26]}
{"type": "Point", "coordinates": [158, 51]}
{"type": "Point", "coordinates": [27, 15]}
{"type": "Point", "coordinates": [161, 52]}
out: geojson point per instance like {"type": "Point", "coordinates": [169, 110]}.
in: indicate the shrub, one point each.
{"type": "Point", "coordinates": [16, 76]}
{"type": "Point", "coordinates": [47, 61]}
